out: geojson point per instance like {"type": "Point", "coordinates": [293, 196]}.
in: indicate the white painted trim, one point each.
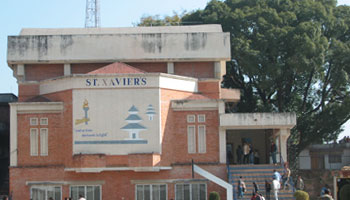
{"type": "Point", "coordinates": [86, 81]}
{"type": "Point", "coordinates": [65, 182]}
{"type": "Point", "coordinates": [13, 135]}
{"type": "Point", "coordinates": [101, 169]}
{"type": "Point", "coordinates": [215, 179]}
{"type": "Point", "coordinates": [202, 104]}
{"type": "Point", "coordinates": [38, 107]}
{"type": "Point", "coordinates": [67, 69]}
{"type": "Point", "coordinates": [222, 145]}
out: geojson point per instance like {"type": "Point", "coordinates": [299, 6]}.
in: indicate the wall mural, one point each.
{"type": "Point", "coordinates": [116, 122]}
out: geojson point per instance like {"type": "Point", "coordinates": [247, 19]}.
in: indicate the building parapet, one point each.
{"type": "Point", "coordinates": [94, 48]}
{"type": "Point", "coordinates": [257, 120]}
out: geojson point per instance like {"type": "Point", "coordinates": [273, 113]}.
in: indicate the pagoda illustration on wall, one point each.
{"type": "Point", "coordinates": [133, 127]}
{"type": "Point", "coordinates": [150, 112]}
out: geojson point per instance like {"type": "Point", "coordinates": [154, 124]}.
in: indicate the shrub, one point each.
{"type": "Point", "coordinates": [344, 192]}
{"type": "Point", "coordinates": [301, 195]}
{"type": "Point", "coordinates": [214, 196]}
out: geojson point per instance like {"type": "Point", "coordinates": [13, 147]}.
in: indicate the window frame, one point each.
{"type": "Point", "coordinates": [199, 183]}
{"type": "Point", "coordinates": [189, 118]}
{"type": "Point", "coordinates": [33, 147]}
{"type": "Point", "coordinates": [194, 147]}
{"type": "Point", "coordinates": [204, 138]}
{"type": "Point", "coordinates": [33, 121]}
{"type": "Point", "coordinates": [44, 186]}
{"type": "Point", "coordinates": [85, 186]}
{"type": "Point", "coordinates": [42, 119]}
{"type": "Point", "coordinates": [199, 117]}
{"type": "Point", "coordinates": [42, 144]}
{"type": "Point", "coordinates": [151, 192]}
{"type": "Point", "coordinates": [335, 161]}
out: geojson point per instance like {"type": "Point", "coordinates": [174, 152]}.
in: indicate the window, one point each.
{"type": "Point", "coordinates": [90, 192]}
{"type": "Point", "coordinates": [194, 191]}
{"type": "Point", "coordinates": [34, 142]}
{"type": "Point", "coordinates": [191, 139]}
{"type": "Point", "coordinates": [44, 142]}
{"type": "Point", "coordinates": [33, 121]}
{"type": "Point", "coordinates": [201, 118]}
{"type": "Point", "coordinates": [151, 192]}
{"type": "Point", "coordinates": [334, 158]}
{"type": "Point", "coordinates": [191, 118]}
{"type": "Point", "coordinates": [44, 121]}
{"type": "Point", "coordinates": [45, 192]}
{"type": "Point", "coordinates": [202, 147]}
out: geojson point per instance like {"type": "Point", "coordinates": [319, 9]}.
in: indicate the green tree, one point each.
{"type": "Point", "coordinates": [156, 20]}
{"type": "Point", "coordinates": [288, 56]}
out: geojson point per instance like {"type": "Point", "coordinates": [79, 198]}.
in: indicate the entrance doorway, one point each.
{"type": "Point", "coordinates": [259, 142]}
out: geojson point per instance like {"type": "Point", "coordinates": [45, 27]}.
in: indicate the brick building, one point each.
{"type": "Point", "coordinates": [120, 113]}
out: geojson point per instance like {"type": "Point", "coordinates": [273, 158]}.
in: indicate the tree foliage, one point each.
{"type": "Point", "coordinates": [156, 20]}
{"type": "Point", "coordinates": [288, 56]}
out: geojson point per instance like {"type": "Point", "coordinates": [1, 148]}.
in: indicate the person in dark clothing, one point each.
{"type": "Point", "coordinates": [239, 153]}
{"type": "Point", "coordinates": [256, 187]}
{"type": "Point", "coordinates": [273, 152]}
{"type": "Point", "coordinates": [267, 190]}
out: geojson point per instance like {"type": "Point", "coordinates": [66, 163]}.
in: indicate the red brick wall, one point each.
{"type": "Point", "coordinates": [37, 72]}
{"type": "Point", "coordinates": [83, 68]}
{"type": "Point", "coordinates": [151, 67]}
{"type": "Point", "coordinates": [174, 126]}
{"type": "Point", "coordinates": [195, 69]}
{"type": "Point", "coordinates": [27, 91]}
{"type": "Point", "coordinates": [210, 88]}
{"type": "Point", "coordinates": [118, 184]}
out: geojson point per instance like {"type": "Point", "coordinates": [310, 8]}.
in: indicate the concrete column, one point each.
{"type": "Point", "coordinates": [219, 69]}
{"type": "Point", "coordinates": [20, 72]}
{"type": "Point", "coordinates": [67, 69]}
{"type": "Point", "coordinates": [170, 68]}
{"type": "Point", "coordinates": [13, 135]}
{"type": "Point", "coordinates": [284, 135]}
{"type": "Point", "coordinates": [221, 107]}
{"type": "Point", "coordinates": [222, 145]}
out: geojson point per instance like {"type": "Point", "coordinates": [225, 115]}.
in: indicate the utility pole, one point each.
{"type": "Point", "coordinates": [92, 15]}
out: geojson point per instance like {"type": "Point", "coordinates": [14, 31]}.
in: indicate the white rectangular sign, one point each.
{"type": "Point", "coordinates": [116, 121]}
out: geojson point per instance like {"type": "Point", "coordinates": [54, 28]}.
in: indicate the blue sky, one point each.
{"type": "Point", "coordinates": [18, 14]}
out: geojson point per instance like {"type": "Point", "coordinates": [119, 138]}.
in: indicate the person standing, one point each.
{"type": "Point", "coordinates": [239, 153]}
{"type": "Point", "coordinates": [299, 183]}
{"type": "Point", "coordinates": [275, 186]}
{"type": "Point", "coordinates": [267, 189]}
{"type": "Point", "coordinates": [286, 177]}
{"type": "Point", "coordinates": [241, 187]}
{"type": "Point", "coordinates": [326, 195]}
{"type": "Point", "coordinates": [246, 151]}
{"type": "Point", "coordinates": [277, 175]}
{"type": "Point", "coordinates": [273, 151]}
{"type": "Point", "coordinates": [256, 187]}
{"type": "Point", "coordinates": [251, 154]}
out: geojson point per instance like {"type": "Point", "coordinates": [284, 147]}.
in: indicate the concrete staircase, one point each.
{"type": "Point", "coordinates": [257, 173]}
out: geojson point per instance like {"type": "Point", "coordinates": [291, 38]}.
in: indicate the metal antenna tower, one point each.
{"type": "Point", "coordinates": [92, 18]}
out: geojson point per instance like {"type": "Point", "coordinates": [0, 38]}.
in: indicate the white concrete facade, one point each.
{"type": "Point", "coordinates": [200, 46]}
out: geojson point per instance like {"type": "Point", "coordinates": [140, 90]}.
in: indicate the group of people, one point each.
{"type": "Point", "coordinates": [278, 181]}
{"type": "Point", "coordinates": [247, 154]}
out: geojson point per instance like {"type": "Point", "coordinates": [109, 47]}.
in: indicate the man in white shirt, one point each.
{"type": "Point", "coordinates": [277, 175]}
{"type": "Point", "coordinates": [276, 186]}
{"type": "Point", "coordinates": [81, 197]}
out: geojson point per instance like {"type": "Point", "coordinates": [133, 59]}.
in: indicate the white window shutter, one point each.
{"type": "Point", "coordinates": [191, 139]}
{"type": "Point", "coordinates": [44, 141]}
{"type": "Point", "coordinates": [34, 141]}
{"type": "Point", "coordinates": [202, 147]}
